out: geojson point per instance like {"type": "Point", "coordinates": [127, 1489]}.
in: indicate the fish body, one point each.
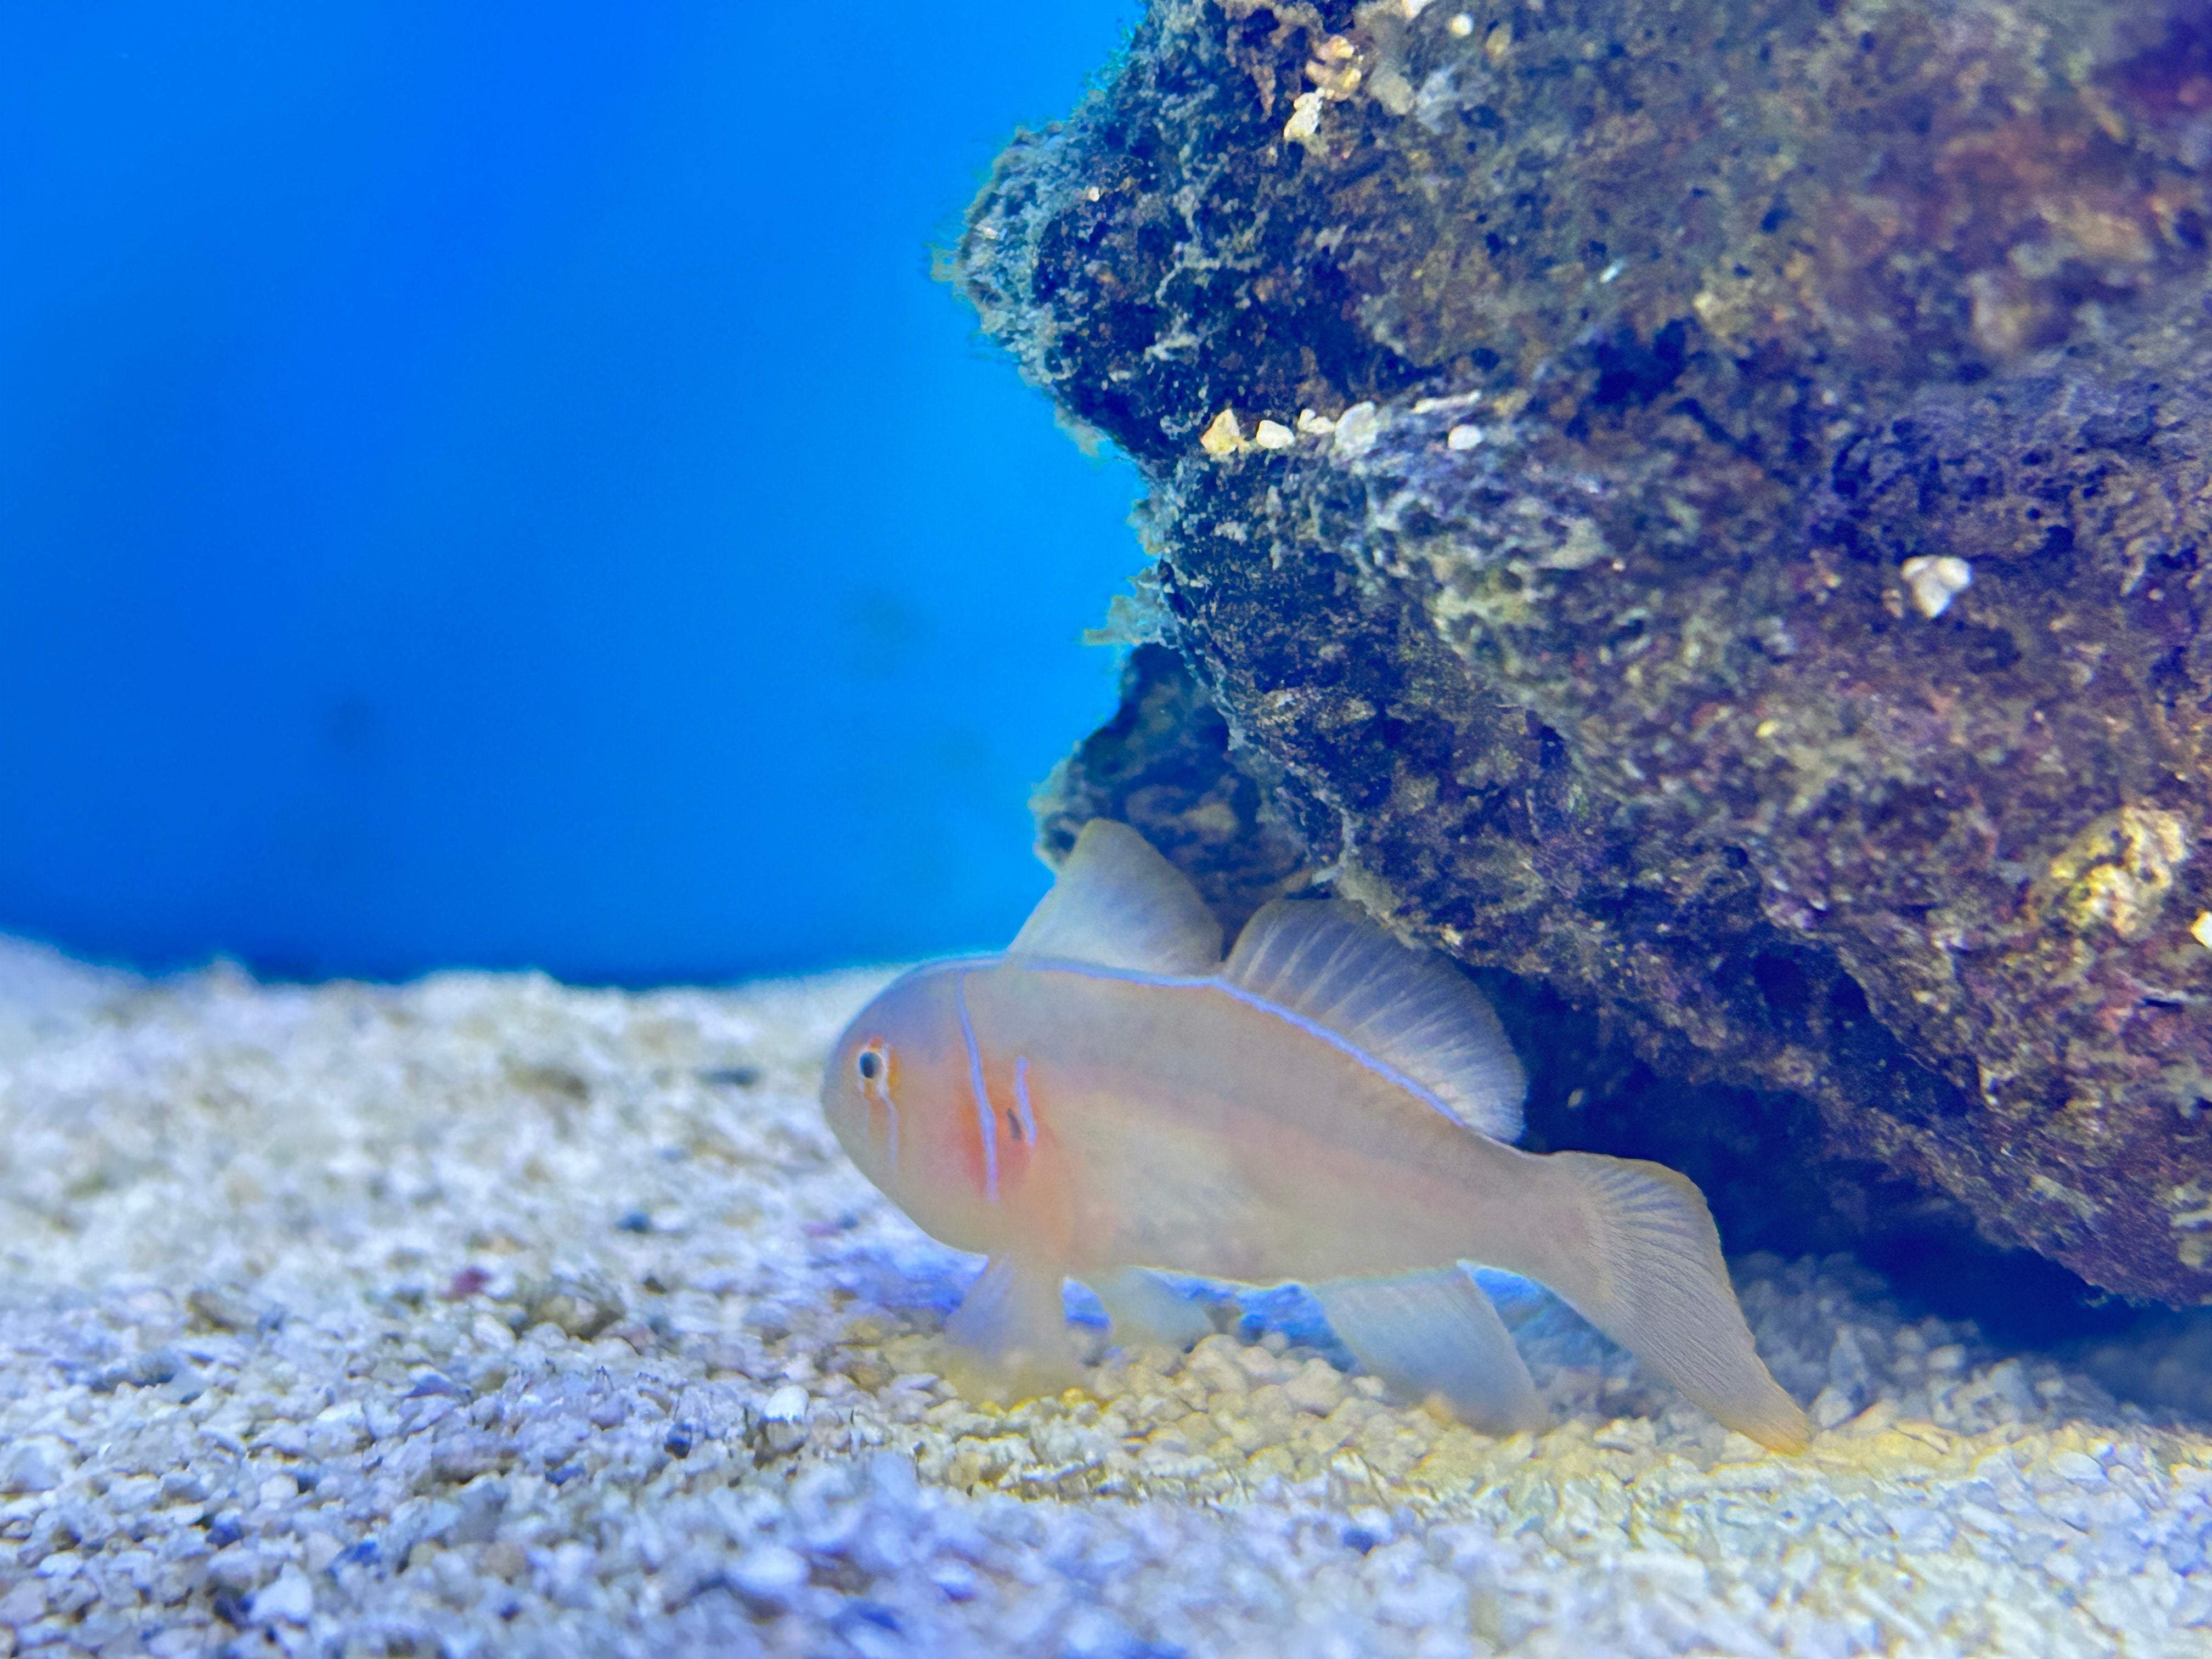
{"type": "Point", "coordinates": [1165, 1121]}
{"type": "Point", "coordinates": [1111, 1100]}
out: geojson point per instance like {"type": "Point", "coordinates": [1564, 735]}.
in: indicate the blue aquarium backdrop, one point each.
{"type": "Point", "coordinates": [498, 485]}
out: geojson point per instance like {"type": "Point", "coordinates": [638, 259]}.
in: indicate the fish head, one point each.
{"type": "Point", "coordinates": [899, 1096]}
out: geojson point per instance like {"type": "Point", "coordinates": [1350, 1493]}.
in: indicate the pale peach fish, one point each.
{"type": "Point", "coordinates": [1111, 1100]}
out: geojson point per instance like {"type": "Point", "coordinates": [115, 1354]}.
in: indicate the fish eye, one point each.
{"type": "Point", "coordinates": [871, 1064]}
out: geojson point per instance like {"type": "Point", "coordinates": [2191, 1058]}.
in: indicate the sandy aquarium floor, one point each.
{"type": "Point", "coordinates": [487, 1316]}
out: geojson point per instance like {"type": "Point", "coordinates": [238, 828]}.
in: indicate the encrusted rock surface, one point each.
{"type": "Point", "coordinates": [1703, 508]}
{"type": "Point", "coordinates": [486, 1316]}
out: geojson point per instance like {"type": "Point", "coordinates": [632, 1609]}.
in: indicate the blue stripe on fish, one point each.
{"type": "Point", "coordinates": [987, 1124]}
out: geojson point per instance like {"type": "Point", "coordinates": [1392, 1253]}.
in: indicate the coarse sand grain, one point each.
{"type": "Point", "coordinates": [483, 1314]}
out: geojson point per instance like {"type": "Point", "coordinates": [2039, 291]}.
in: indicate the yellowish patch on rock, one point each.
{"type": "Point", "coordinates": [2189, 1212]}
{"type": "Point", "coordinates": [1224, 438]}
{"type": "Point", "coordinates": [2118, 871]}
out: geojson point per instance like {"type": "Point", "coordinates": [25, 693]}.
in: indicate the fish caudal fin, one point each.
{"type": "Point", "coordinates": [1008, 1338]}
{"type": "Point", "coordinates": [1654, 1282]}
{"type": "Point", "coordinates": [1146, 1313]}
{"type": "Point", "coordinates": [1435, 1335]}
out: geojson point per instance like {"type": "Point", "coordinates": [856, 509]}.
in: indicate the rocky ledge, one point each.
{"type": "Point", "coordinates": [1699, 510]}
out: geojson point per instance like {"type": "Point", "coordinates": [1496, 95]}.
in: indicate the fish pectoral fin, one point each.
{"type": "Point", "coordinates": [1146, 1313]}
{"type": "Point", "coordinates": [1434, 1334]}
{"type": "Point", "coordinates": [1654, 1282]}
{"type": "Point", "coordinates": [1119, 903]}
{"type": "Point", "coordinates": [1008, 1338]}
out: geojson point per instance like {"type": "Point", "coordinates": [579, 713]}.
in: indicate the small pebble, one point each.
{"type": "Point", "coordinates": [786, 1405]}
{"type": "Point", "coordinates": [290, 1600]}
{"type": "Point", "coordinates": [771, 1573]}
{"type": "Point", "coordinates": [2075, 1466]}
{"type": "Point", "coordinates": [1935, 580]}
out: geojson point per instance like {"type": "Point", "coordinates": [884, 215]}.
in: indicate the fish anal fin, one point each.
{"type": "Point", "coordinates": [1328, 961]}
{"type": "Point", "coordinates": [1117, 902]}
{"type": "Point", "coordinates": [1146, 1313]}
{"type": "Point", "coordinates": [1649, 1273]}
{"type": "Point", "coordinates": [1008, 1339]}
{"type": "Point", "coordinates": [1434, 1335]}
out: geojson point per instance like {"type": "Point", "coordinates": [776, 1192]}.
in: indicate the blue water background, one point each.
{"type": "Point", "coordinates": [497, 485]}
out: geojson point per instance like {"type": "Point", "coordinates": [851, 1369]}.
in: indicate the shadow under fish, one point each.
{"type": "Point", "coordinates": [1110, 1099]}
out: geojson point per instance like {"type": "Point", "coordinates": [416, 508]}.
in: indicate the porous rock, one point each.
{"type": "Point", "coordinates": [1737, 568]}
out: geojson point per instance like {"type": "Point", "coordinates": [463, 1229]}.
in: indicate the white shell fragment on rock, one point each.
{"type": "Point", "coordinates": [1464, 437]}
{"type": "Point", "coordinates": [1356, 429]}
{"type": "Point", "coordinates": [2201, 930]}
{"type": "Point", "coordinates": [1274, 434]}
{"type": "Point", "coordinates": [1935, 580]}
{"type": "Point", "coordinates": [1314, 424]}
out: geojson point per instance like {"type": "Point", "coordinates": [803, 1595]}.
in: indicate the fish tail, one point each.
{"type": "Point", "coordinates": [1653, 1279]}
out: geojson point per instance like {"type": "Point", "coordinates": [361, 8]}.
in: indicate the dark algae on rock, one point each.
{"type": "Point", "coordinates": [1700, 509]}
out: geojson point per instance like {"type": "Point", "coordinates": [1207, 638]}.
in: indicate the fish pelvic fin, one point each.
{"type": "Point", "coordinates": [1146, 1313]}
{"type": "Point", "coordinates": [1008, 1339]}
{"type": "Point", "coordinates": [1328, 961]}
{"type": "Point", "coordinates": [1434, 1336]}
{"type": "Point", "coordinates": [1652, 1278]}
{"type": "Point", "coordinates": [1118, 904]}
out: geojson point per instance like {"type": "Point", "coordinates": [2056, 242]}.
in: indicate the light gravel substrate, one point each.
{"type": "Point", "coordinates": [485, 1315]}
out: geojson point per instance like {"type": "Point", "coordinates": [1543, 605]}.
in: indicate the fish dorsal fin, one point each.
{"type": "Point", "coordinates": [1326, 961]}
{"type": "Point", "coordinates": [1118, 904]}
